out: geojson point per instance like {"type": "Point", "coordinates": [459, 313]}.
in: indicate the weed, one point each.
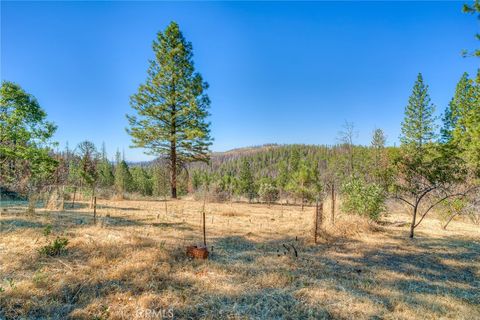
{"type": "Point", "coordinates": [55, 248]}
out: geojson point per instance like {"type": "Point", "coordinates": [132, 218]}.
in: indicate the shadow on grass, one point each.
{"type": "Point", "coordinates": [174, 225]}
{"type": "Point", "coordinates": [12, 225]}
{"type": "Point", "coordinates": [402, 271]}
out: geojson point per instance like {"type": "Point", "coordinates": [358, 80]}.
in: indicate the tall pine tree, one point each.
{"type": "Point", "coordinates": [418, 126]}
{"type": "Point", "coordinates": [172, 105]}
{"type": "Point", "coordinates": [461, 121]}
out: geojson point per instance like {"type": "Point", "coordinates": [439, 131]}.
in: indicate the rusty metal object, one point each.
{"type": "Point", "coordinates": [195, 252]}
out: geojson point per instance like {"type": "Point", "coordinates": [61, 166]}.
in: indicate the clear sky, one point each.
{"type": "Point", "coordinates": [279, 72]}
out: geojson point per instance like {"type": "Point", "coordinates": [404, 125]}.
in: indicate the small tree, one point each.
{"type": "Point", "coordinates": [88, 166]}
{"type": "Point", "coordinates": [142, 181]}
{"type": "Point", "coordinates": [452, 208]}
{"type": "Point", "coordinates": [123, 177]}
{"type": "Point", "coordinates": [105, 169]}
{"type": "Point", "coordinates": [246, 181]}
{"type": "Point", "coordinates": [361, 198]}
{"type": "Point", "coordinates": [427, 173]}
{"type": "Point", "coordinates": [268, 192]}
{"type": "Point", "coordinates": [304, 183]}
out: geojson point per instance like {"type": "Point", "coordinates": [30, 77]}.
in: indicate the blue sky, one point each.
{"type": "Point", "coordinates": [279, 72]}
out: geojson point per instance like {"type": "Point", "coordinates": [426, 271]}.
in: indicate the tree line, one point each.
{"type": "Point", "coordinates": [432, 166]}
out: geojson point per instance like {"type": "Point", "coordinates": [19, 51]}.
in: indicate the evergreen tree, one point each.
{"type": "Point", "coordinates": [456, 115]}
{"type": "Point", "coordinates": [119, 175]}
{"type": "Point", "coordinates": [105, 168]}
{"type": "Point", "coordinates": [423, 167]}
{"type": "Point", "coordinates": [474, 9]}
{"type": "Point", "coordinates": [304, 182]}
{"type": "Point", "coordinates": [461, 121]}
{"type": "Point", "coordinates": [283, 175]}
{"type": "Point", "coordinates": [172, 105]}
{"type": "Point", "coordinates": [378, 139]}
{"type": "Point", "coordinates": [88, 164]}
{"type": "Point", "coordinates": [418, 127]}
{"type": "Point", "coordinates": [246, 181]}
{"type": "Point", "coordinates": [378, 146]}
{"type": "Point", "coordinates": [142, 181]}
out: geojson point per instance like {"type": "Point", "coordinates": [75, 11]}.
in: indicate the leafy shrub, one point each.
{"type": "Point", "coordinates": [55, 248]}
{"type": "Point", "coordinates": [365, 199]}
{"type": "Point", "coordinates": [268, 192]}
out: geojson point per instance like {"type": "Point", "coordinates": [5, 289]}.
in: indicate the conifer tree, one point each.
{"type": "Point", "coordinates": [461, 121]}
{"type": "Point", "coordinates": [304, 182]}
{"type": "Point", "coordinates": [378, 144]}
{"type": "Point", "coordinates": [119, 176]}
{"type": "Point", "coordinates": [172, 105]}
{"type": "Point", "coordinates": [418, 126]}
{"type": "Point", "coordinates": [88, 165]}
{"type": "Point", "coordinates": [105, 168]}
{"type": "Point", "coordinates": [427, 173]}
{"type": "Point", "coordinates": [474, 9]}
{"type": "Point", "coordinates": [246, 181]}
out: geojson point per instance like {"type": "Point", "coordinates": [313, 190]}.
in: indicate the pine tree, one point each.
{"type": "Point", "coordinates": [105, 168]}
{"type": "Point", "coordinates": [418, 126]}
{"type": "Point", "coordinates": [172, 105]}
{"type": "Point", "coordinates": [456, 114]}
{"type": "Point", "coordinates": [378, 146]}
{"type": "Point", "coordinates": [472, 123]}
{"type": "Point", "coordinates": [119, 175]}
{"type": "Point", "coordinates": [423, 167]}
{"type": "Point", "coordinates": [461, 121]}
{"type": "Point", "coordinates": [474, 9]}
{"type": "Point", "coordinates": [142, 181]}
{"type": "Point", "coordinates": [88, 165]}
{"type": "Point", "coordinates": [246, 181]}
{"type": "Point", "coordinates": [304, 182]}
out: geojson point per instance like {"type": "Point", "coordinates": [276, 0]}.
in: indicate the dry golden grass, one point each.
{"type": "Point", "coordinates": [132, 265]}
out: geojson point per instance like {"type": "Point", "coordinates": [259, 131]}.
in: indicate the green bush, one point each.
{"type": "Point", "coordinates": [365, 199]}
{"type": "Point", "coordinates": [55, 248]}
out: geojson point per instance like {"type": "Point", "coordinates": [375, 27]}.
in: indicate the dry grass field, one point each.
{"type": "Point", "coordinates": [132, 265]}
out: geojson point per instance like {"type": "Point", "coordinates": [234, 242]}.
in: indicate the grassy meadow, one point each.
{"type": "Point", "coordinates": [132, 264]}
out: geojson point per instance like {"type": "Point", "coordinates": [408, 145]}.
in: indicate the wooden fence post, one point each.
{"type": "Point", "coordinates": [318, 220]}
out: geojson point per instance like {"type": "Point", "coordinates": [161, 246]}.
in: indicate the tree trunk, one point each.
{"type": "Point", "coordinates": [93, 196]}
{"type": "Point", "coordinates": [412, 227]}
{"type": "Point", "coordinates": [173, 160]}
{"type": "Point", "coordinates": [449, 220]}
